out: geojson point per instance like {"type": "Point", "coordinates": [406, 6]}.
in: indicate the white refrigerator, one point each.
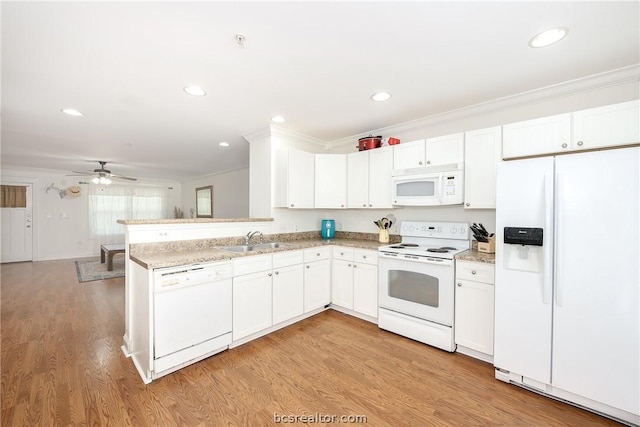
{"type": "Point", "coordinates": [567, 289]}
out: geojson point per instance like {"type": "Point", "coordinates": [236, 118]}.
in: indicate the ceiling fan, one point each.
{"type": "Point", "coordinates": [102, 176]}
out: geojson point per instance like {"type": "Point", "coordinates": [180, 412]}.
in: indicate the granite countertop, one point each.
{"type": "Point", "coordinates": [189, 220]}
{"type": "Point", "coordinates": [475, 256]}
{"type": "Point", "coordinates": [159, 255]}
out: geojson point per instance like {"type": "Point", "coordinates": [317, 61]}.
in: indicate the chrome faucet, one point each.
{"type": "Point", "coordinates": [249, 235]}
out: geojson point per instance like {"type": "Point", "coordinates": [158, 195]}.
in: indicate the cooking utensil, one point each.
{"type": "Point", "coordinates": [369, 142]}
{"type": "Point", "coordinates": [384, 223]}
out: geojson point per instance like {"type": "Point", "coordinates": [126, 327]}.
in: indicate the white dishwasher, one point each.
{"type": "Point", "coordinates": [191, 314]}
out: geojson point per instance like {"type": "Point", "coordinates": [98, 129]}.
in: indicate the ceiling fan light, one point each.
{"type": "Point", "coordinates": [105, 181]}
{"type": "Point", "coordinates": [96, 180]}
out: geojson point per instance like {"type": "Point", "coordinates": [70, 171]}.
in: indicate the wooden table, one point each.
{"type": "Point", "coordinates": [109, 251]}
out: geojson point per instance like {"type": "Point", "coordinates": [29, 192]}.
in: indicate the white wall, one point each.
{"type": "Point", "coordinates": [230, 194]}
{"type": "Point", "coordinates": [61, 226]}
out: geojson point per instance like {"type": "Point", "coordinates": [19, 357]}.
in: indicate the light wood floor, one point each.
{"type": "Point", "coordinates": [62, 365]}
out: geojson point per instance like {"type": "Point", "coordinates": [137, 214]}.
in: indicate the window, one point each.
{"type": "Point", "coordinates": [108, 204]}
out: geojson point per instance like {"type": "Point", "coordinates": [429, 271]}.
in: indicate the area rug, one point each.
{"type": "Point", "coordinates": [91, 270]}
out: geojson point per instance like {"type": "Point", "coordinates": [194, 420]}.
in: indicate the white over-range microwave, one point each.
{"type": "Point", "coordinates": [428, 186]}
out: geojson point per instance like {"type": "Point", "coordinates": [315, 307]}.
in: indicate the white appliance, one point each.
{"type": "Point", "coordinates": [192, 314]}
{"type": "Point", "coordinates": [567, 297]}
{"type": "Point", "coordinates": [416, 281]}
{"type": "Point", "coordinates": [428, 186]}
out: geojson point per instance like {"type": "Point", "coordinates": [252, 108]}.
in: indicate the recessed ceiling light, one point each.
{"type": "Point", "coordinates": [278, 119]}
{"type": "Point", "coordinates": [380, 96]}
{"type": "Point", "coordinates": [72, 112]}
{"type": "Point", "coordinates": [223, 144]}
{"type": "Point", "coordinates": [195, 91]}
{"type": "Point", "coordinates": [548, 37]}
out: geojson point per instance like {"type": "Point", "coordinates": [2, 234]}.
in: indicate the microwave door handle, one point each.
{"type": "Point", "coordinates": [440, 187]}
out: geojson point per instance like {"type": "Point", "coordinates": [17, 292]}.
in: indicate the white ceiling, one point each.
{"type": "Point", "coordinates": [124, 65]}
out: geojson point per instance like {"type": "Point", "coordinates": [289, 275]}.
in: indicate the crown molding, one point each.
{"type": "Point", "coordinates": [275, 131]}
{"type": "Point", "coordinates": [616, 77]}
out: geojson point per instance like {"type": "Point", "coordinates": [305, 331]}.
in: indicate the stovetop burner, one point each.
{"type": "Point", "coordinates": [438, 250]}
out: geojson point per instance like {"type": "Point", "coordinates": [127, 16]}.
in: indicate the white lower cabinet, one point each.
{"type": "Point", "coordinates": [317, 278]}
{"type": "Point", "coordinates": [355, 280]}
{"type": "Point", "coordinates": [474, 309]}
{"type": "Point", "coordinates": [267, 290]}
{"type": "Point", "coordinates": [251, 303]}
{"type": "Point", "coordinates": [287, 286]}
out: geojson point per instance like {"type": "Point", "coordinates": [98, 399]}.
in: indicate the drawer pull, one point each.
{"type": "Point", "coordinates": [459, 284]}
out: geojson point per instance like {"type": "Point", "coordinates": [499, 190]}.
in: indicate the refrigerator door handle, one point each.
{"type": "Point", "coordinates": [547, 250]}
{"type": "Point", "coordinates": [558, 280]}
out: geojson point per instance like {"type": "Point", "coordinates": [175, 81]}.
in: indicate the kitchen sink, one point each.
{"type": "Point", "coordinates": [238, 248]}
{"type": "Point", "coordinates": [271, 245]}
{"type": "Point", "coordinates": [256, 247]}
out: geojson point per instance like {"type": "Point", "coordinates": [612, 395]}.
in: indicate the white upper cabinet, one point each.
{"type": "Point", "coordinates": [481, 157]}
{"type": "Point", "coordinates": [539, 136]}
{"type": "Point", "coordinates": [294, 179]}
{"type": "Point", "coordinates": [380, 166]}
{"type": "Point", "coordinates": [331, 181]}
{"type": "Point", "coordinates": [369, 178]}
{"type": "Point", "coordinates": [607, 126]}
{"type": "Point", "coordinates": [409, 154]}
{"type": "Point", "coordinates": [443, 150]}
{"type": "Point", "coordinates": [358, 180]}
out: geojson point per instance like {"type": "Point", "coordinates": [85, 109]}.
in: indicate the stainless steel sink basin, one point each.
{"type": "Point", "coordinates": [271, 245]}
{"type": "Point", "coordinates": [256, 247]}
{"type": "Point", "coordinates": [238, 248]}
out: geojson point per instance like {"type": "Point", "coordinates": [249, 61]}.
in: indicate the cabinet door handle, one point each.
{"type": "Point", "coordinates": [459, 284]}
{"type": "Point", "coordinates": [277, 272]}
{"type": "Point", "coordinates": [467, 204]}
{"type": "Point", "coordinates": [269, 274]}
{"type": "Point", "coordinates": [364, 205]}
{"type": "Point", "coordinates": [564, 145]}
{"type": "Point", "coordinates": [428, 162]}
{"type": "Point", "coordinates": [420, 162]}
{"type": "Point", "coordinates": [580, 143]}
{"type": "Point", "coordinates": [370, 205]}
{"type": "Point", "coordinates": [364, 256]}
{"type": "Point", "coordinates": [355, 265]}
{"type": "Point", "coordinates": [342, 206]}
{"type": "Point", "coordinates": [341, 253]}
{"type": "Point", "coordinates": [292, 204]}
{"type": "Point", "coordinates": [308, 266]}
{"type": "Point", "coordinates": [348, 265]}
{"type": "Point", "coordinates": [473, 272]}
{"type": "Point", "coordinates": [318, 254]}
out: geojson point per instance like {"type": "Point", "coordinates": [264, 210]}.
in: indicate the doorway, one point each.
{"type": "Point", "coordinates": [16, 213]}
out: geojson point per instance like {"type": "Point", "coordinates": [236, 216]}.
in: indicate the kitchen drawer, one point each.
{"type": "Point", "coordinates": [476, 271]}
{"type": "Point", "coordinates": [284, 259]}
{"type": "Point", "coordinates": [340, 252]}
{"type": "Point", "coordinates": [365, 256]}
{"type": "Point", "coordinates": [251, 264]}
{"type": "Point", "coordinates": [317, 253]}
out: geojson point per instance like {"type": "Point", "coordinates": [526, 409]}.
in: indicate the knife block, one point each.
{"type": "Point", "coordinates": [488, 247]}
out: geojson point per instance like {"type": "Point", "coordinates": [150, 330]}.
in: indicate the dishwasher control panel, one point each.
{"type": "Point", "coordinates": [179, 277]}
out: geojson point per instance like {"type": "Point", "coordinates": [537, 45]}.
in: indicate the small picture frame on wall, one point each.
{"type": "Point", "coordinates": [204, 202]}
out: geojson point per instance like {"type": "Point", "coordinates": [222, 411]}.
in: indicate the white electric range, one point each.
{"type": "Point", "coordinates": [417, 281]}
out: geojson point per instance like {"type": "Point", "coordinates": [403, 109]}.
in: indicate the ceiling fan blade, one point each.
{"type": "Point", "coordinates": [122, 177]}
{"type": "Point", "coordinates": [79, 174]}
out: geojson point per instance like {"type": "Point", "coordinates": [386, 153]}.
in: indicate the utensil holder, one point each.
{"type": "Point", "coordinates": [488, 247]}
{"type": "Point", "coordinates": [384, 236]}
